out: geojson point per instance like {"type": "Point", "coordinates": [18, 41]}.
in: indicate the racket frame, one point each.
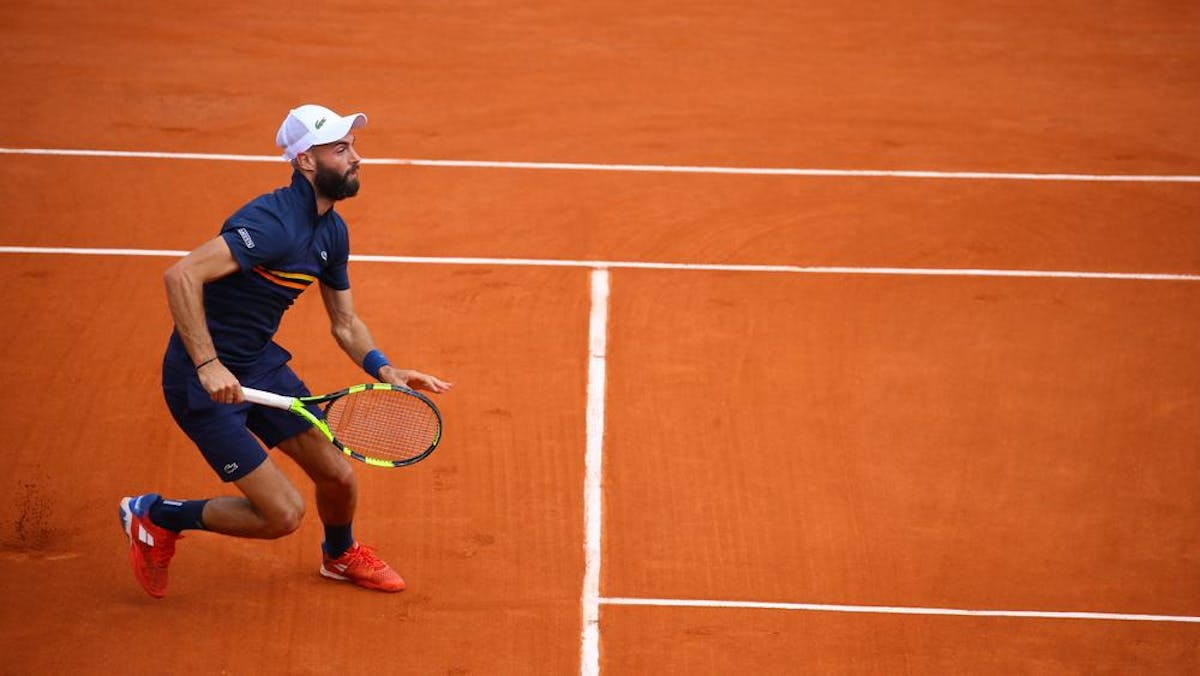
{"type": "Point", "coordinates": [298, 406]}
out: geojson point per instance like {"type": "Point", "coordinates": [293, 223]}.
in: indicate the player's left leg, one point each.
{"type": "Point", "coordinates": [337, 496]}
{"type": "Point", "coordinates": [331, 474]}
{"type": "Point", "coordinates": [336, 484]}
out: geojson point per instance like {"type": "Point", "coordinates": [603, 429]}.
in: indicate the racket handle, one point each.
{"type": "Point", "coordinates": [267, 398]}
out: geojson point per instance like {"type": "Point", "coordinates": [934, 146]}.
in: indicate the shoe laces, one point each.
{"type": "Point", "coordinates": [365, 556]}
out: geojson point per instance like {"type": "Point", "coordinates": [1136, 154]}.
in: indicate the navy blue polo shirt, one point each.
{"type": "Point", "coordinates": [281, 246]}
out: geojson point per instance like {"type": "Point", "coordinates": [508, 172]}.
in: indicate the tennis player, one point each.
{"type": "Point", "coordinates": [227, 298]}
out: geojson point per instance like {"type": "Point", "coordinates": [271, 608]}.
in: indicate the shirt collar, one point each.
{"type": "Point", "coordinates": [307, 196]}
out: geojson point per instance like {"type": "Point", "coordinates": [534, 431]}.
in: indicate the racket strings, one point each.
{"type": "Point", "coordinates": [386, 424]}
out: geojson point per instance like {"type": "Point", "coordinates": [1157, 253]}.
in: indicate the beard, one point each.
{"type": "Point", "coordinates": [334, 186]}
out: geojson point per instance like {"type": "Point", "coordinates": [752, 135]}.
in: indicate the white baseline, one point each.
{"type": "Point", "coordinates": [899, 610]}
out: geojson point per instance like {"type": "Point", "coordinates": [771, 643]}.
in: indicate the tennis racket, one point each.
{"type": "Point", "coordinates": [380, 424]}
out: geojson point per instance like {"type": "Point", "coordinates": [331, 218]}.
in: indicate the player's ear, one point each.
{"type": "Point", "coordinates": [305, 162]}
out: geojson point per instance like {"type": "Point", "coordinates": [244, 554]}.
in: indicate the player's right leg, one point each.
{"type": "Point", "coordinates": [271, 508]}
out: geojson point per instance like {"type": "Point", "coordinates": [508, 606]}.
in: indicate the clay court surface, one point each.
{"type": "Point", "coordinates": [822, 414]}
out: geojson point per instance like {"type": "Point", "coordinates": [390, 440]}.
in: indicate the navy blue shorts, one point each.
{"type": "Point", "coordinates": [226, 433]}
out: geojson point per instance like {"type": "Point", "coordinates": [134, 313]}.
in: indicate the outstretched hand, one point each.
{"type": "Point", "coordinates": [414, 380]}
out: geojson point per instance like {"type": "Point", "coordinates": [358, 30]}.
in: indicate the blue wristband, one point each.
{"type": "Point", "coordinates": [374, 361]}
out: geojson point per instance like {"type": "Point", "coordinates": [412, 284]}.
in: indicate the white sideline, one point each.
{"type": "Point", "coordinates": [589, 662]}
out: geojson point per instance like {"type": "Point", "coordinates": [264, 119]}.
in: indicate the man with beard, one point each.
{"type": "Point", "coordinates": [227, 298]}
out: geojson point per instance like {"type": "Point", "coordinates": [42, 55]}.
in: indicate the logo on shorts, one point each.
{"type": "Point", "coordinates": [324, 256]}
{"type": "Point", "coordinates": [246, 238]}
{"type": "Point", "coordinates": [231, 468]}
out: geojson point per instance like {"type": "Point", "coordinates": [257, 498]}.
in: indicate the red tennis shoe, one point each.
{"type": "Point", "coordinates": [360, 565]}
{"type": "Point", "coordinates": [150, 546]}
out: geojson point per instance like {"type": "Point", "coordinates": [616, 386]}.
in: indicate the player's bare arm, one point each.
{"type": "Point", "coordinates": [185, 282]}
{"type": "Point", "coordinates": [353, 336]}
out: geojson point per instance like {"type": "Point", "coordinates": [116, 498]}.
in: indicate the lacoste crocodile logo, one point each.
{"type": "Point", "coordinates": [320, 123]}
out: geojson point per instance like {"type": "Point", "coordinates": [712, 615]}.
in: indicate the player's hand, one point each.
{"type": "Point", "coordinates": [220, 384]}
{"type": "Point", "coordinates": [414, 380]}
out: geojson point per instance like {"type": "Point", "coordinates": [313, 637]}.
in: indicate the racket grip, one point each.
{"type": "Point", "coordinates": [267, 398]}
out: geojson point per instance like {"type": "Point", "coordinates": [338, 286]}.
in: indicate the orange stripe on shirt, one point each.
{"type": "Point", "coordinates": [290, 280]}
{"type": "Point", "coordinates": [295, 276]}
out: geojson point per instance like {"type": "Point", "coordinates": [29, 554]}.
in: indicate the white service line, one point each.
{"type": "Point", "coordinates": [794, 269]}
{"type": "Point", "coordinates": [589, 651]}
{"type": "Point", "coordinates": [898, 610]}
{"type": "Point", "coordinates": [794, 171]}
{"type": "Point", "coordinates": [651, 168]}
{"type": "Point", "coordinates": [640, 265]}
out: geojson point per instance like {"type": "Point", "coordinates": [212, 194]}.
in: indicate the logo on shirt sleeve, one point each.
{"type": "Point", "coordinates": [246, 238]}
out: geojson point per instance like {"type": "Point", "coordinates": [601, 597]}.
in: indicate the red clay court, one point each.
{"type": "Point", "coordinates": [787, 337]}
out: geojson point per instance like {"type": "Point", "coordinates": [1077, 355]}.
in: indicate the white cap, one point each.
{"type": "Point", "coordinates": [311, 125]}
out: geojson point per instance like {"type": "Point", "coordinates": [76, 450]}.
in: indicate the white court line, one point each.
{"type": "Point", "coordinates": [589, 662]}
{"type": "Point", "coordinates": [704, 267]}
{"type": "Point", "coordinates": [652, 168]}
{"type": "Point", "coordinates": [84, 251]}
{"type": "Point", "coordinates": [139, 154]}
{"type": "Point", "coordinates": [898, 610]}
